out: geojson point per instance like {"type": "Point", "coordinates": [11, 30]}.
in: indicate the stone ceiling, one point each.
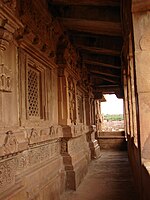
{"type": "Point", "coordinates": [94, 28]}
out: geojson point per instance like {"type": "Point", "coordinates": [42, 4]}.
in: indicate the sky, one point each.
{"type": "Point", "coordinates": [113, 105]}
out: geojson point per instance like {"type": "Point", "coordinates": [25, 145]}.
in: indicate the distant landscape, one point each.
{"type": "Point", "coordinates": [113, 122]}
{"type": "Point", "coordinates": [114, 117]}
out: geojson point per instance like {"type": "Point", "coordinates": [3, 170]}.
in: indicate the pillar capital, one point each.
{"type": "Point", "coordinates": [61, 70]}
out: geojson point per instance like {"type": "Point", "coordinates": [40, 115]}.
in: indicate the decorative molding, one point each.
{"type": "Point", "coordinates": [37, 155]}
{"type": "Point", "coordinates": [9, 23]}
{"type": "Point", "coordinates": [11, 4]}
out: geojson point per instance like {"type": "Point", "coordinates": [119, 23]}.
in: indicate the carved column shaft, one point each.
{"type": "Point", "coordinates": [62, 96]}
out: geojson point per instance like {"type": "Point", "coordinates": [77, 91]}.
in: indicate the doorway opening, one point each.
{"type": "Point", "coordinates": [112, 114]}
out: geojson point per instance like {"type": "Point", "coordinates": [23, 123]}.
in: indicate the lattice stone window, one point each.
{"type": "Point", "coordinates": [33, 92]}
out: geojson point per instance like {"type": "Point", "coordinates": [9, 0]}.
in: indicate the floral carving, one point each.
{"type": "Point", "coordinates": [7, 172]}
{"type": "Point", "coordinates": [37, 155]}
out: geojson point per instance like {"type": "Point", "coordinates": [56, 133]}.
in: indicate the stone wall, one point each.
{"type": "Point", "coordinates": [112, 140]}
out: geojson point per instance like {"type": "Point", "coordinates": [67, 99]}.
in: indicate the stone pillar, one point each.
{"type": "Point", "coordinates": [129, 100]}
{"type": "Point", "coordinates": [126, 112]}
{"type": "Point", "coordinates": [87, 110]}
{"type": "Point", "coordinates": [62, 97]}
{"type": "Point", "coordinates": [133, 103]}
{"type": "Point", "coordinates": [141, 27]}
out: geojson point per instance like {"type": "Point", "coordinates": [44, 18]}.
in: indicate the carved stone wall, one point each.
{"type": "Point", "coordinates": [43, 147]}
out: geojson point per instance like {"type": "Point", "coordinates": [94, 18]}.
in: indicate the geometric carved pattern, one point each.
{"type": "Point", "coordinates": [33, 92]}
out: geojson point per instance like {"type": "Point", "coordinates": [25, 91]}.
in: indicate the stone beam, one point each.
{"type": "Point", "coordinates": [96, 41]}
{"type": "Point", "coordinates": [98, 50]}
{"type": "Point", "coordinates": [107, 89]}
{"type": "Point", "coordinates": [103, 72]}
{"type": "Point", "coordinates": [105, 77]}
{"type": "Point", "coordinates": [87, 2]}
{"type": "Point", "coordinates": [108, 59]}
{"type": "Point", "coordinates": [99, 13]}
{"type": "Point", "coordinates": [89, 26]}
{"type": "Point", "coordinates": [101, 64]}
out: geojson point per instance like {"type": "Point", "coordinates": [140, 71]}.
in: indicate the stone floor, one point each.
{"type": "Point", "coordinates": [108, 178]}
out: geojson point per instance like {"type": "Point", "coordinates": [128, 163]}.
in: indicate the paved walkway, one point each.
{"type": "Point", "coordinates": [108, 178]}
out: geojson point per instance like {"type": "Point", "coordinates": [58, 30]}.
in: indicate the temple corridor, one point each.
{"type": "Point", "coordinates": [58, 60]}
{"type": "Point", "coordinates": [109, 178]}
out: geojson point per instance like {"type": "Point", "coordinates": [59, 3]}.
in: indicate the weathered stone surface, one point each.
{"type": "Point", "coordinates": [109, 177]}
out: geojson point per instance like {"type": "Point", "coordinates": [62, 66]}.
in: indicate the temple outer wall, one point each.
{"type": "Point", "coordinates": [44, 136]}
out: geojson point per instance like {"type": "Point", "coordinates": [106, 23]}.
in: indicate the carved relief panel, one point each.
{"type": "Point", "coordinates": [80, 108]}
{"type": "Point", "coordinates": [5, 78]}
{"type": "Point", "coordinates": [72, 100]}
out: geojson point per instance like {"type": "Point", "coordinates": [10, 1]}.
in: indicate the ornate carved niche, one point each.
{"type": "Point", "coordinates": [34, 136]}
{"type": "Point", "coordinates": [10, 143]}
{"type": "Point", "coordinates": [72, 100]}
{"type": "Point", "coordinates": [5, 79]}
{"type": "Point", "coordinates": [80, 108]}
